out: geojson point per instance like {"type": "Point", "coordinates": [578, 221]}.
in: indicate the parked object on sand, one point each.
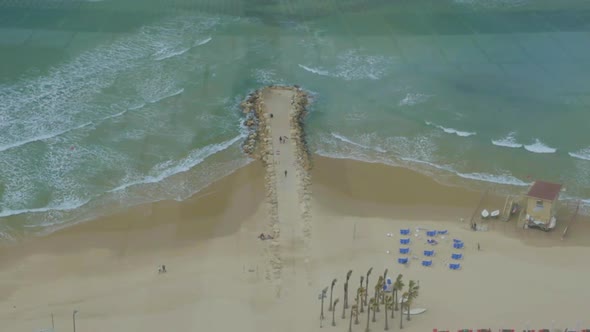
{"type": "Point", "coordinates": [485, 214]}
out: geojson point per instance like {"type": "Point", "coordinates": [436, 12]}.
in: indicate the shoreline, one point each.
{"type": "Point", "coordinates": [330, 190]}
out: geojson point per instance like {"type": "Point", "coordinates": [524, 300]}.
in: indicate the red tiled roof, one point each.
{"type": "Point", "coordinates": [545, 190]}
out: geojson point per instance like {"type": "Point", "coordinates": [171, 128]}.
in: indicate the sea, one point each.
{"type": "Point", "coordinates": [109, 104]}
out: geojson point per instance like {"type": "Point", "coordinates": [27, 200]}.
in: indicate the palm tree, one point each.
{"type": "Point", "coordinates": [384, 281]}
{"type": "Point", "coordinates": [353, 312]}
{"type": "Point", "coordinates": [346, 289]}
{"type": "Point", "coordinates": [398, 285]}
{"type": "Point", "coordinates": [362, 298]}
{"type": "Point", "coordinates": [334, 312]}
{"type": "Point", "coordinates": [375, 306]}
{"type": "Point", "coordinates": [368, 314]}
{"type": "Point", "coordinates": [378, 288]}
{"type": "Point", "coordinates": [356, 316]}
{"type": "Point", "coordinates": [413, 289]}
{"type": "Point", "coordinates": [367, 284]}
{"type": "Point", "coordinates": [401, 317]}
{"type": "Point", "coordinates": [359, 297]}
{"type": "Point", "coordinates": [331, 290]}
{"type": "Point", "coordinates": [388, 305]}
{"type": "Point", "coordinates": [323, 296]}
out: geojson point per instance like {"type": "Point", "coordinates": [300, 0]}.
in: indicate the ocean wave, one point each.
{"type": "Point", "coordinates": [508, 141]}
{"type": "Point", "coordinates": [539, 147]}
{"type": "Point", "coordinates": [165, 96]}
{"type": "Point", "coordinates": [504, 179]}
{"type": "Point", "coordinates": [315, 70]}
{"type": "Point", "coordinates": [72, 205]}
{"type": "Point", "coordinates": [170, 168]}
{"type": "Point", "coordinates": [354, 65]}
{"type": "Point", "coordinates": [412, 99]}
{"type": "Point", "coordinates": [65, 97]}
{"type": "Point", "coordinates": [169, 53]}
{"type": "Point", "coordinates": [583, 154]}
{"type": "Point", "coordinates": [204, 41]}
{"type": "Point", "coordinates": [347, 140]}
{"type": "Point", "coordinates": [451, 130]}
{"type": "Point", "coordinates": [42, 137]}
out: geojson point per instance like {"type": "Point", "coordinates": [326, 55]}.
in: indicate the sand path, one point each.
{"type": "Point", "coordinates": [288, 183]}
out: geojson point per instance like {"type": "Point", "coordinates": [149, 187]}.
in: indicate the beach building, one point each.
{"type": "Point", "coordinates": [541, 201]}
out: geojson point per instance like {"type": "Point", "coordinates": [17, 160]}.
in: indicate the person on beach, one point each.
{"type": "Point", "coordinates": [271, 116]}
{"type": "Point", "coordinates": [281, 139]}
{"type": "Point", "coordinates": [478, 247]}
{"type": "Point", "coordinates": [285, 173]}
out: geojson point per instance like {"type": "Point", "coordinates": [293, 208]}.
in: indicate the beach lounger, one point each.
{"type": "Point", "coordinates": [404, 231]}
{"type": "Point", "coordinates": [507, 330]}
{"type": "Point", "coordinates": [404, 251]}
{"type": "Point", "coordinates": [404, 241]}
{"type": "Point", "coordinates": [457, 240]}
{"type": "Point", "coordinates": [456, 256]}
{"type": "Point", "coordinates": [402, 260]}
{"type": "Point", "coordinates": [430, 233]}
{"type": "Point", "coordinates": [443, 232]}
{"type": "Point", "coordinates": [458, 245]}
{"type": "Point", "coordinates": [427, 263]}
{"type": "Point", "coordinates": [432, 241]}
{"type": "Point", "coordinates": [429, 253]}
{"type": "Point", "coordinates": [455, 266]}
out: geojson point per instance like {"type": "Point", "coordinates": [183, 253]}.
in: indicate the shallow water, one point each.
{"type": "Point", "coordinates": [102, 108]}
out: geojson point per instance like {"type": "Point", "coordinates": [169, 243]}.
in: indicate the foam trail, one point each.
{"type": "Point", "coordinates": [452, 130]}
{"type": "Point", "coordinates": [583, 154]}
{"type": "Point", "coordinates": [204, 41]}
{"type": "Point", "coordinates": [412, 99]}
{"type": "Point", "coordinates": [176, 93]}
{"type": "Point", "coordinates": [41, 137]}
{"type": "Point", "coordinates": [508, 141]}
{"type": "Point", "coordinates": [163, 55]}
{"type": "Point", "coordinates": [194, 158]}
{"type": "Point", "coordinates": [346, 140]}
{"type": "Point", "coordinates": [539, 147]}
{"type": "Point", "coordinates": [61, 207]}
{"type": "Point", "coordinates": [315, 71]}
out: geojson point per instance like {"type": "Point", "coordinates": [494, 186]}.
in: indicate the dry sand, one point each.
{"type": "Point", "coordinates": [216, 280]}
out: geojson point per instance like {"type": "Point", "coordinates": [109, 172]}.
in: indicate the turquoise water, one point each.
{"type": "Point", "coordinates": [112, 104]}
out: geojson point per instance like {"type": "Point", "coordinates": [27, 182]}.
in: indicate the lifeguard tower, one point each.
{"type": "Point", "coordinates": [541, 201]}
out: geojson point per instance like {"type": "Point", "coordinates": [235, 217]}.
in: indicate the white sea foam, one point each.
{"type": "Point", "coordinates": [508, 141]}
{"type": "Point", "coordinates": [165, 96]}
{"type": "Point", "coordinates": [347, 140]}
{"type": "Point", "coordinates": [170, 168]}
{"type": "Point", "coordinates": [505, 179]}
{"type": "Point", "coordinates": [354, 65]}
{"type": "Point", "coordinates": [412, 99]}
{"type": "Point", "coordinates": [583, 154]}
{"type": "Point", "coordinates": [60, 207]}
{"type": "Point", "coordinates": [169, 53]}
{"type": "Point", "coordinates": [204, 41]}
{"type": "Point", "coordinates": [452, 130]}
{"type": "Point", "coordinates": [64, 99]}
{"type": "Point", "coordinates": [41, 137]}
{"type": "Point", "coordinates": [317, 71]}
{"type": "Point", "coordinates": [539, 147]}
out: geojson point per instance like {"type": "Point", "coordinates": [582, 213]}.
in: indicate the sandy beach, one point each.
{"type": "Point", "coordinates": [222, 277]}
